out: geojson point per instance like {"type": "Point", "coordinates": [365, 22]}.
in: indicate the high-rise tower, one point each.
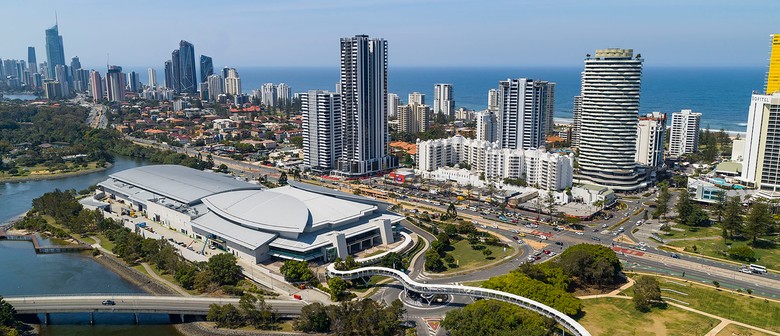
{"type": "Point", "coordinates": [523, 107]}
{"type": "Point", "coordinates": [442, 100]}
{"type": "Point", "coordinates": [176, 71]}
{"type": "Point", "coordinates": [55, 52]}
{"type": "Point", "coordinates": [151, 73]}
{"type": "Point", "coordinates": [610, 112]}
{"type": "Point", "coordinates": [364, 120]}
{"type": "Point", "coordinates": [773, 75]}
{"type": "Point", "coordinates": [115, 84]}
{"type": "Point", "coordinates": [321, 111]}
{"type": "Point", "coordinates": [188, 82]}
{"type": "Point", "coordinates": [206, 68]}
{"type": "Point", "coordinates": [32, 63]}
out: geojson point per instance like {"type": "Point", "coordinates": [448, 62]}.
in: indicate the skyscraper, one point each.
{"type": "Point", "coordinates": [115, 84]}
{"type": "Point", "coordinates": [133, 82]}
{"type": "Point", "coordinates": [442, 100]}
{"type": "Point", "coordinates": [176, 71]}
{"type": "Point", "coordinates": [96, 85]}
{"type": "Point", "coordinates": [283, 94]}
{"type": "Point", "coordinates": [152, 74]}
{"type": "Point", "coordinates": [55, 53]}
{"type": "Point", "coordinates": [169, 78]}
{"type": "Point", "coordinates": [610, 112]}
{"type": "Point", "coordinates": [187, 81]}
{"type": "Point", "coordinates": [75, 63]}
{"type": "Point", "coordinates": [32, 63]}
{"type": "Point", "coordinates": [684, 134]}
{"type": "Point", "coordinates": [216, 86]}
{"type": "Point", "coordinates": [364, 107]}
{"type": "Point", "coordinates": [773, 75]}
{"type": "Point", "coordinates": [486, 126]}
{"type": "Point", "coordinates": [269, 94]}
{"type": "Point", "coordinates": [522, 112]}
{"type": "Point", "coordinates": [493, 100]}
{"type": "Point", "coordinates": [232, 82]}
{"type": "Point", "coordinates": [577, 121]}
{"type": "Point", "coordinates": [416, 98]}
{"type": "Point", "coordinates": [650, 133]}
{"type": "Point", "coordinates": [206, 68]}
{"type": "Point", "coordinates": [321, 111]}
{"type": "Point", "coordinates": [393, 101]}
{"type": "Point", "coordinates": [61, 76]}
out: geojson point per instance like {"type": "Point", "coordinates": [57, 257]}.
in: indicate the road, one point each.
{"type": "Point", "coordinates": [133, 304]}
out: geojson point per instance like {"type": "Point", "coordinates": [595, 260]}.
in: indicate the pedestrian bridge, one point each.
{"type": "Point", "coordinates": [134, 304]}
{"type": "Point", "coordinates": [483, 293]}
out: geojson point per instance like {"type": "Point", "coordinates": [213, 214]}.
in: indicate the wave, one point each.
{"type": "Point", "coordinates": [742, 124]}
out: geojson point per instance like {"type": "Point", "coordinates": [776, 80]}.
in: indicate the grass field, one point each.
{"type": "Point", "coordinates": [468, 258]}
{"type": "Point", "coordinates": [738, 307]}
{"type": "Point", "coordinates": [692, 232]}
{"type": "Point", "coordinates": [41, 171]}
{"type": "Point", "coordinates": [734, 330]}
{"type": "Point", "coordinates": [769, 257]}
{"type": "Point", "coordinates": [618, 317]}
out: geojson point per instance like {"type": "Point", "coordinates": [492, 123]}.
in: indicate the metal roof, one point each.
{"type": "Point", "coordinates": [251, 239]}
{"type": "Point", "coordinates": [183, 184]}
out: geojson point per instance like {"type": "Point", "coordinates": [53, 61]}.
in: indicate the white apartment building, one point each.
{"type": "Point", "coordinates": [283, 93]}
{"type": "Point", "coordinates": [486, 126]}
{"type": "Point", "coordinates": [761, 158]}
{"type": "Point", "coordinates": [539, 168]}
{"type": "Point", "coordinates": [269, 96]}
{"type": "Point", "coordinates": [416, 98]}
{"type": "Point", "coordinates": [442, 100]}
{"type": "Point", "coordinates": [414, 118]}
{"type": "Point", "coordinates": [232, 83]}
{"type": "Point", "coordinates": [523, 109]}
{"type": "Point", "coordinates": [650, 139]}
{"type": "Point", "coordinates": [492, 100]}
{"type": "Point", "coordinates": [216, 88]}
{"type": "Point", "coordinates": [610, 112]}
{"type": "Point", "coordinates": [393, 101]}
{"type": "Point", "coordinates": [576, 121]}
{"type": "Point", "coordinates": [684, 133]}
{"type": "Point", "coordinates": [321, 111]}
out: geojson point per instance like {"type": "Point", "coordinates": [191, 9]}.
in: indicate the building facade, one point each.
{"type": "Point", "coordinates": [761, 158]}
{"type": "Point", "coordinates": [232, 83]}
{"type": "Point", "coordinates": [550, 171]}
{"type": "Point", "coordinates": [96, 86]}
{"type": "Point", "coordinates": [523, 107]}
{"type": "Point", "coordinates": [55, 51]}
{"type": "Point", "coordinates": [576, 121]}
{"type": "Point", "coordinates": [684, 133]}
{"type": "Point", "coordinates": [610, 112]}
{"type": "Point", "coordinates": [206, 68]}
{"type": "Point", "coordinates": [486, 126]}
{"type": "Point", "coordinates": [269, 94]}
{"type": "Point", "coordinates": [188, 82]}
{"type": "Point", "coordinates": [364, 107]}
{"type": "Point", "coordinates": [115, 84]}
{"type": "Point", "coordinates": [651, 131]}
{"type": "Point", "coordinates": [321, 111]}
{"type": "Point", "coordinates": [443, 101]}
{"type": "Point", "coordinates": [151, 74]}
{"type": "Point", "coordinates": [393, 102]}
{"type": "Point", "coordinates": [773, 75]}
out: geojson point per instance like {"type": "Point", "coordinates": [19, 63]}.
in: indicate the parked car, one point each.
{"type": "Point", "coordinates": [595, 238]}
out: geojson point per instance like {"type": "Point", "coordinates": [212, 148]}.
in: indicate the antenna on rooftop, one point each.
{"type": "Point", "coordinates": [56, 22]}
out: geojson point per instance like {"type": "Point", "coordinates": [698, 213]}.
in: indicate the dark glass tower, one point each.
{"type": "Point", "coordinates": [168, 75]}
{"type": "Point", "coordinates": [206, 68]}
{"type": "Point", "coordinates": [176, 82]}
{"type": "Point", "coordinates": [32, 62]}
{"type": "Point", "coordinates": [55, 53]}
{"type": "Point", "coordinates": [188, 79]}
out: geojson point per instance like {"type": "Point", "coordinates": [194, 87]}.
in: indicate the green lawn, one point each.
{"type": "Point", "coordinates": [468, 258]}
{"type": "Point", "coordinates": [769, 257]}
{"type": "Point", "coordinates": [618, 317]}
{"type": "Point", "coordinates": [732, 330]}
{"type": "Point", "coordinates": [738, 307]}
{"type": "Point", "coordinates": [692, 232]}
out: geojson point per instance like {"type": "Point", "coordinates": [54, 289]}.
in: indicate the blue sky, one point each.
{"type": "Point", "coordinates": [419, 32]}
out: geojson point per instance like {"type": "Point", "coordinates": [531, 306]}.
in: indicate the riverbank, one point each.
{"type": "Point", "coordinates": [52, 176]}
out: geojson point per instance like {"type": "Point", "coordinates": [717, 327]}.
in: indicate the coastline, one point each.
{"type": "Point", "coordinates": [741, 134]}
{"type": "Point", "coordinates": [54, 176]}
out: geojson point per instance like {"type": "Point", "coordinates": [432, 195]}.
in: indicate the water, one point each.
{"type": "Point", "coordinates": [16, 197]}
{"type": "Point", "coordinates": [26, 273]}
{"type": "Point", "coordinates": [722, 95]}
{"type": "Point", "coordinates": [21, 96]}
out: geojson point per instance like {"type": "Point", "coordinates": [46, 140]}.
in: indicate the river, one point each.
{"type": "Point", "coordinates": [27, 273]}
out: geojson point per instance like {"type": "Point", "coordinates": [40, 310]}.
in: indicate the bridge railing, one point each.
{"type": "Point", "coordinates": [564, 320]}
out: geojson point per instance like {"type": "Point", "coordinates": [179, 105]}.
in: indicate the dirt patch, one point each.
{"type": "Point", "coordinates": [208, 329]}
{"type": "Point", "coordinates": [534, 244]}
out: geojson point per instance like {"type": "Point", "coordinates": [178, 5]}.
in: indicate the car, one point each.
{"type": "Point", "coordinates": [108, 302]}
{"type": "Point", "coordinates": [521, 234]}
{"type": "Point", "coordinates": [595, 238]}
{"type": "Point", "coordinates": [675, 256]}
{"type": "Point", "coordinates": [580, 233]}
{"type": "Point", "coordinates": [559, 243]}
{"type": "Point", "coordinates": [537, 257]}
{"type": "Point", "coordinates": [531, 259]}
{"type": "Point", "coordinates": [515, 237]}
{"type": "Point", "coordinates": [542, 237]}
{"type": "Point", "coordinates": [546, 251]}
{"type": "Point", "coordinates": [552, 253]}
{"type": "Point", "coordinates": [515, 231]}
{"type": "Point", "coordinates": [603, 226]}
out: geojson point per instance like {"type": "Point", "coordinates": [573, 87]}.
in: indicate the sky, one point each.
{"type": "Point", "coordinates": [424, 33]}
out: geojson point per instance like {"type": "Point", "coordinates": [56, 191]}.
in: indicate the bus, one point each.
{"type": "Point", "coordinates": [758, 269]}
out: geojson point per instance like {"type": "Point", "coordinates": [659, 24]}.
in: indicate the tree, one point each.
{"type": "Point", "coordinates": [444, 238]}
{"type": "Point", "coordinates": [338, 288]}
{"type": "Point", "coordinates": [759, 220]}
{"type": "Point", "coordinates": [592, 264]}
{"type": "Point", "coordinates": [683, 207]}
{"type": "Point", "coordinates": [732, 222]}
{"type": "Point", "coordinates": [392, 260]}
{"type": "Point", "coordinates": [550, 203]}
{"type": "Point", "coordinates": [487, 252]}
{"type": "Point", "coordinates": [516, 282]}
{"type": "Point", "coordinates": [720, 208]}
{"type": "Point", "coordinates": [296, 271]}
{"type": "Point", "coordinates": [313, 318]}
{"type": "Point", "coordinates": [452, 213]}
{"type": "Point", "coordinates": [223, 168]}
{"type": "Point", "coordinates": [226, 316]}
{"type": "Point", "coordinates": [283, 178]}
{"type": "Point", "coordinates": [223, 269]}
{"type": "Point", "coordinates": [7, 314]}
{"type": "Point", "coordinates": [433, 262]}
{"type": "Point", "coordinates": [662, 202]}
{"type": "Point", "coordinates": [744, 253]}
{"type": "Point", "coordinates": [491, 317]}
{"type": "Point", "coordinates": [647, 292]}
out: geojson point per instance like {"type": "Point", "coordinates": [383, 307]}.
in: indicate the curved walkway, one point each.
{"type": "Point", "coordinates": [564, 320]}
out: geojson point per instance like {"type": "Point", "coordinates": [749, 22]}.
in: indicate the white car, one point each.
{"type": "Point", "coordinates": [580, 233]}
{"type": "Point", "coordinates": [542, 237]}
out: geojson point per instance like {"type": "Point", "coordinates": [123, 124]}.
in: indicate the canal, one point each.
{"type": "Point", "coordinates": [27, 273]}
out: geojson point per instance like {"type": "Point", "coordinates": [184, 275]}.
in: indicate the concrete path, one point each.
{"type": "Point", "coordinates": [157, 277]}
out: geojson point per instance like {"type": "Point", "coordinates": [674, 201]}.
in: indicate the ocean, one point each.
{"type": "Point", "coordinates": [722, 95]}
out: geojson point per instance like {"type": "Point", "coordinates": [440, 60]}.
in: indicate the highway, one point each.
{"type": "Point", "coordinates": [133, 304]}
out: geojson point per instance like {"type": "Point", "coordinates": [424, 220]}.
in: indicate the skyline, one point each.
{"type": "Point", "coordinates": [419, 33]}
